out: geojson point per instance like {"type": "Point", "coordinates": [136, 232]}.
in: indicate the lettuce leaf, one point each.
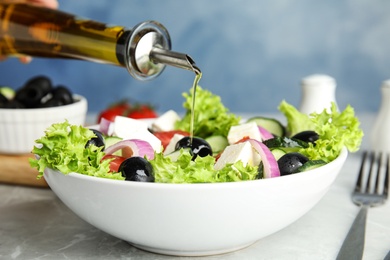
{"type": "Point", "coordinates": [296, 121]}
{"type": "Point", "coordinates": [184, 170]}
{"type": "Point", "coordinates": [211, 116]}
{"type": "Point", "coordinates": [335, 129]}
{"type": "Point", "coordinates": [63, 148]}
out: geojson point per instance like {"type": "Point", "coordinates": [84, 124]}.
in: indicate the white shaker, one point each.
{"type": "Point", "coordinates": [380, 133]}
{"type": "Point", "coordinates": [318, 93]}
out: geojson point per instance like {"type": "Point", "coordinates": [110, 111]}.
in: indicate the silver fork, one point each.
{"type": "Point", "coordinates": [366, 194]}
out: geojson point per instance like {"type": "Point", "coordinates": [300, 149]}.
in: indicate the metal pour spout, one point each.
{"type": "Point", "coordinates": [176, 59]}
{"type": "Point", "coordinates": [148, 51]}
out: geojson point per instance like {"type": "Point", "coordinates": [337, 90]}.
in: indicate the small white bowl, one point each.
{"type": "Point", "coordinates": [193, 219]}
{"type": "Point", "coordinates": [19, 128]}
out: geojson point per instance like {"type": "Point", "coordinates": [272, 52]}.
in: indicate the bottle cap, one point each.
{"type": "Point", "coordinates": [318, 92]}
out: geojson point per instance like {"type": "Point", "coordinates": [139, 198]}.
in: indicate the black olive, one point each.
{"type": "Point", "coordinates": [39, 92]}
{"type": "Point", "coordinates": [97, 141]}
{"type": "Point", "coordinates": [13, 104]}
{"type": "Point", "coordinates": [63, 94]}
{"type": "Point", "coordinates": [290, 162]}
{"type": "Point", "coordinates": [307, 136]}
{"type": "Point", "coordinates": [52, 102]}
{"type": "Point", "coordinates": [137, 169]}
{"type": "Point", "coordinates": [199, 147]}
{"type": "Point", "coordinates": [3, 100]}
{"type": "Point", "coordinates": [33, 92]}
{"type": "Point", "coordinates": [42, 82]}
{"type": "Point", "coordinates": [30, 96]}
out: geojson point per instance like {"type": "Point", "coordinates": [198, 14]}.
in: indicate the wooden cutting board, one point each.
{"type": "Point", "coordinates": [16, 169]}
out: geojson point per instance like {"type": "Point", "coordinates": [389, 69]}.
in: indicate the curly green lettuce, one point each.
{"type": "Point", "coordinates": [335, 129]}
{"type": "Point", "coordinates": [211, 116]}
{"type": "Point", "coordinates": [185, 170]}
{"type": "Point", "coordinates": [63, 148]}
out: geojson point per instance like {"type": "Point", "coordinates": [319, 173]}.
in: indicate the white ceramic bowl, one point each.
{"type": "Point", "coordinates": [193, 219]}
{"type": "Point", "coordinates": [19, 128]}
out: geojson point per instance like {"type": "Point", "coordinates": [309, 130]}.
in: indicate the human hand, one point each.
{"type": "Point", "coordinates": [47, 3]}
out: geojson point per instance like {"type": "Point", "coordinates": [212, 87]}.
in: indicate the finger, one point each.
{"type": "Point", "coordinates": [25, 59]}
{"type": "Point", "coordinates": [48, 3]}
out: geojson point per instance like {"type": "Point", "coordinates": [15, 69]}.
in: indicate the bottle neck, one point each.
{"type": "Point", "coordinates": [43, 32]}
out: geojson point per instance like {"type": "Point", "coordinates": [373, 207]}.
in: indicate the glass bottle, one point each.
{"type": "Point", "coordinates": [42, 32]}
{"type": "Point", "coordinates": [318, 92]}
{"type": "Point", "coordinates": [379, 136]}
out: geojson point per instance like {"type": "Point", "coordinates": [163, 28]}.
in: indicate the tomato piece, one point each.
{"type": "Point", "coordinates": [166, 136]}
{"type": "Point", "coordinates": [120, 109]}
{"type": "Point", "coordinates": [115, 163]}
{"type": "Point", "coordinates": [244, 139]}
{"type": "Point", "coordinates": [136, 111]}
{"type": "Point", "coordinates": [218, 156]}
{"type": "Point", "coordinates": [142, 111]}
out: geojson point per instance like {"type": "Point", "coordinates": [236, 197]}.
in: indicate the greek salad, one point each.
{"type": "Point", "coordinates": [223, 148]}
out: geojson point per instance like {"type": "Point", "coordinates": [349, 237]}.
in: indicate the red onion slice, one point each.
{"type": "Point", "coordinates": [271, 168]}
{"type": "Point", "coordinates": [105, 126]}
{"type": "Point", "coordinates": [265, 135]}
{"type": "Point", "coordinates": [132, 147]}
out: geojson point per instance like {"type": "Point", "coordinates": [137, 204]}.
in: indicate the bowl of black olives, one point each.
{"type": "Point", "coordinates": [26, 112]}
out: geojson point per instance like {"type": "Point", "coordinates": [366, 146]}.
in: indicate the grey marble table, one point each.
{"type": "Point", "coordinates": [35, 224]}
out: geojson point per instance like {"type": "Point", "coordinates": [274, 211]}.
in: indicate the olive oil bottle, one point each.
{"type": "Point", "coordinates": [42, 32]}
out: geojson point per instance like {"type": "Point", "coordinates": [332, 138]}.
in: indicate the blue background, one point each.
{"type": "Point", "coordinates": [252, 53]}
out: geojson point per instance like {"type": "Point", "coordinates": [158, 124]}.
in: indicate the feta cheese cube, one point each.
{"type": "Point", "coordinates": [238, 152]}
{"type": "Point", "coordinates": [172, 143]}
{"type": "Point", "coordinates": [123, 126]}
{"type": "Point", "coordinates": [129, 128]}
{"type": "Point", "coordinates": [166, 122]}
{"type": "Point", "coordinates": [239, 132]}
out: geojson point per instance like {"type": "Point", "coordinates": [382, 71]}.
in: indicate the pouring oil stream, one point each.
{"type": "Point", "coordinates": [182, 61]}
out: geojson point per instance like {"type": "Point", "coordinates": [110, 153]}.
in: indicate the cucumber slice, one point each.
{"type": "Point", "coordinates": [217, 142]}
{"type": "Point", "coordinates": [278, 152]}
{"type": "Point", "coordinates": [110, 140]}
{"type": "Point", "coordinates": [271, 124]}
{"type": "Point", "coordinates": [8, 92]}
{"type": "Point", "coordinates": [175, 154]}
{"type": "Point", "coordinates": [291, 149]}
{"type": "Point", "coordinates": [310, 165]}
{"type": "Point", "coordinates": [285, 142]}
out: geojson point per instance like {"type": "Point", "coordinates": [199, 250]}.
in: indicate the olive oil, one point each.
{"type": "Point", "coordinates": [42, 32]}
{"type": "Point", "coordinates": [198, 76]}
{"type": "Point", "coordinates": [25, 30]}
